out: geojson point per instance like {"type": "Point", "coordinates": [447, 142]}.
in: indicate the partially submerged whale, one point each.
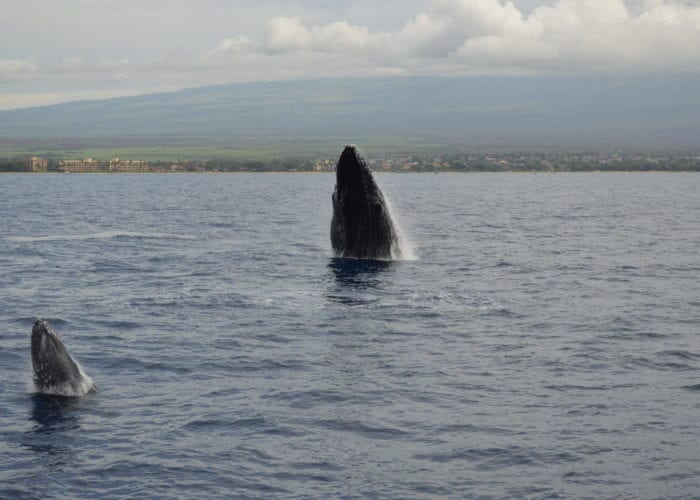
{"type": "Point", "coordinates": [55, 370]}
{"type": "Point", "coordinates": [361, 226]}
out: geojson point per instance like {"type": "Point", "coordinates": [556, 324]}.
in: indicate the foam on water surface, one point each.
{"type": "Point", "coordinates": [104, 235]}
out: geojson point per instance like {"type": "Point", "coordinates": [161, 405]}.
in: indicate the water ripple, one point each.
{"type": "Point", "coordinates": [544, 345]}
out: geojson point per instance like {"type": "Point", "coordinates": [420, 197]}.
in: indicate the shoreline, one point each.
{"type": "Point", "coordinates": [374, 172]}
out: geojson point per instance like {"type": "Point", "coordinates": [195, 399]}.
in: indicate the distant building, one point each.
{"type": "Point", "coordinates": [324, 166]}
{"type": "Point", "coordinates": [117, 165]}
{"type": "Point", "coordinates": [35, 164]}
{"type": "Point", "coordinates": [84, 166]}
{"type": "Point", "coordinates": [89, 165]}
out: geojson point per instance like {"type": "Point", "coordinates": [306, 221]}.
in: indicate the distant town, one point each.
{"type": "Point", "coordinates": [425, 162]}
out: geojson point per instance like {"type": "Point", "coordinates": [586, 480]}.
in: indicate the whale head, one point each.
{"type": "Point", "coordinates": [55, 371]}
{"type": "Point", "coordinates": [361, 226]}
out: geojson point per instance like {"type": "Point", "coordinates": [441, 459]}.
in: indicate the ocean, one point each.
{"type": "Point", "coordinates": [541, 340]}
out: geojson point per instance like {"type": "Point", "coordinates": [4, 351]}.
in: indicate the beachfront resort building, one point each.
{"type": "Point", "coordinates": [89, 165]}
{"type": "Point", "coordinates": [35, 164]}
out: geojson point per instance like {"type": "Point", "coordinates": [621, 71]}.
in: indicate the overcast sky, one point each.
{"type": "Point", "coordinates": [62, 50]}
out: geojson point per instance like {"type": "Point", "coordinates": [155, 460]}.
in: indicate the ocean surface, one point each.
{"type": "Point", "coordinates": [542, 340]}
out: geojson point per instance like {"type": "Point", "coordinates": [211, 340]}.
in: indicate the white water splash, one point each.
{"type": "Point", "coordinates": [403, 248]}
{"type": "Point", "coordinates": [100, 236]}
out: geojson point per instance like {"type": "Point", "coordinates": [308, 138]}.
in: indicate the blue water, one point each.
{"type": "Point", "coordinates": [543, 343]}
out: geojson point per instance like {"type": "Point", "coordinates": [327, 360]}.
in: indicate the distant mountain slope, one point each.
{"type": "Point", "coordinates": [535, 110]}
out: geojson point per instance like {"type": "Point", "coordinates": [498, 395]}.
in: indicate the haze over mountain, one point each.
{"type": "Point", "coordinates": [537, 110]}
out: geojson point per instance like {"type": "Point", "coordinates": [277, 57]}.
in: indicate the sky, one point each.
{"type": "Point", "coordinates": [55, 51]}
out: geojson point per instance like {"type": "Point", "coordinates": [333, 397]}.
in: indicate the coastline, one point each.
{"type": "Point", "coordinates": [441, 172]}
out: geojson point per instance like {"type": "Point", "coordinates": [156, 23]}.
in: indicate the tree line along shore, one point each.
{"type": "Point", "coordinates": [619, 161]}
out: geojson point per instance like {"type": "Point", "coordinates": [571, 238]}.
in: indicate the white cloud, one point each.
{"type": "Point", "coordinates": [237, 45]}
{"type": "Point", "coordinates": [440, 37]}
{"type": "Point", "coordinates": [17, 69]}
{"type": "Point", "coordinates": [486, 36]}
{"type": "Point", "coordinates": [287, 34]}
{"type": "Point", "coordinates": [340, 36]}
{"type": "Point", "coordinates": [606, 34]}
{"type": "Point", "coordinates": [481, 36]}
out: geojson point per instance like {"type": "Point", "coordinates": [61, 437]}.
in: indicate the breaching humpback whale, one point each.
{"type": "Point", "coordinates": [55, 371]}
{"type": "Point", "coordinates": [361, 226]}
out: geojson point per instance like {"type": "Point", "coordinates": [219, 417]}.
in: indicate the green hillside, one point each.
{"type": "Point", "coordinates": [517, 110]}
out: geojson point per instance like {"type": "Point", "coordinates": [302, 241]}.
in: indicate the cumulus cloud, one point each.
{"type": "Point", "coordinates": [606, 34]}
{"type": "Point", "coordinates": [289, 34]}
{"type": "Point", "coordinates": [286, 34]}
{"type": "Point", "coordinates": [236, 45]}
{"type": "Point", "coordinates": [17, 69]}
{"type": "Point", "coordinates": [481, 36]}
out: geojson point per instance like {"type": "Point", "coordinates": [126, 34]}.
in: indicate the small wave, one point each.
{"type": "Point", "coordinates": [134, 365]}
{"type": "Point", "coordinates": [498, 458]}
{"type": "Point", "coordinates": [694, 388]}
{"type": "Point", "coordinates": [114, 267]}
{"type": "Point", "coordinates": [632, 336]}
{"type": "Point", "coordinates": [578, 477]}
{"type": "Point", "coordinates": [104, 235]}
{"type": "Point", "coordinates": [676, 476]}
{"type": "Point", "coordinates": [311, 398]}
{"type": "Point", "coordinates": [504, 263]}
{"type": "Point", "coordinates": [208, 424]}
{"type": "Point", "coordinates": [651, 335]}
{"type": "Point", "coordinates": [574, 387]}
{"type": "Point", "coordinates": [656, 365]}
{"type": "Point", "coordinates": [471, 428]}
{"type": "Point", "coordinates": [219, 393]}
{"type": "Point", "coordinates": [118, 325]}
{"type": "Point", "coordinates": [364, 429]}
{"type": "Point", "coordinates": [501, 312]}
{"type": "Point", "coordinates": [681, 354]}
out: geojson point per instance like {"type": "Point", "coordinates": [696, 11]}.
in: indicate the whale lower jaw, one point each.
{"type": "Point", "coordinates": [391, 253]}
{"type": "Point", "coordinates": [69, 388]}
{"type": "Point", "coordinates": [375, 240]}
{"type": "Point", "coordinates": [76, 386]}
